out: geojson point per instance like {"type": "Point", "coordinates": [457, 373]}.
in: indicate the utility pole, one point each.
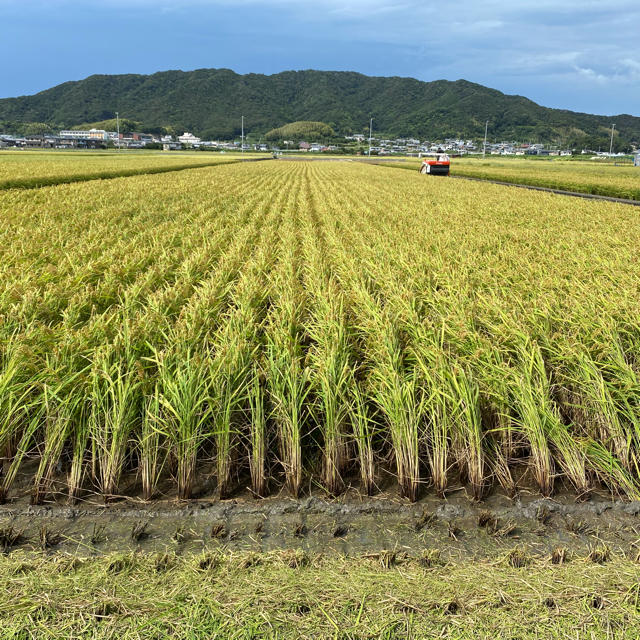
{"type": "Point", "coordinates": [370, 134]}
{"type": "Point", "coordinates": [242, 136]}
{"type": "Point", "coordinates": [118, 128]}
{"type": "Point", "coordinates": [484, 148]}
{"type": "Point", "coordinates": [613, 126]}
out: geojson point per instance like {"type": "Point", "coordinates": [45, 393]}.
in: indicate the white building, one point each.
{"type": "Point", "coordinates": [188, 138]}
{"type": "Point", "coordinates": [92, 134]}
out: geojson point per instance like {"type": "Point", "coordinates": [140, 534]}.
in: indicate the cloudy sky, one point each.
{"type": "Point", "coordinates": [582, 55]}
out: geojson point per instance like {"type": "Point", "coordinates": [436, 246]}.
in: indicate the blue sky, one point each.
{"type": "Point", "coordinates": [575, 54]}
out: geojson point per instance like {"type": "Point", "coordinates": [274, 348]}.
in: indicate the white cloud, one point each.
{"type": "Point", "coordinates": [592, 75]}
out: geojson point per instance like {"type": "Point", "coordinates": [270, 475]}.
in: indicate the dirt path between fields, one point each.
{"type": "Point", "coordinates": [456, 527]}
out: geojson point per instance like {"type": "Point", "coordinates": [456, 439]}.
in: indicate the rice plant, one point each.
{"type": "Point", "coordinates": [288, 391]}
{"type": "Point", "coordinates": [60, 413]}
{"type": "Point", "coordinates": [184, 412]}
{"type": "Point", "coordinates": [152, 445]}
{"type": "Point", "coordinates": [228, 374]}
{"type": "Point", "coordinates": [468, 425]}
{"type": "Point", "coordinates": [114, 415]}
{"type": "Point", "coordinates": [331, 375]}
{"type": "Point", "coordinates": [16, 401]}
{"type": "Point", "coordinates": [398, 393]}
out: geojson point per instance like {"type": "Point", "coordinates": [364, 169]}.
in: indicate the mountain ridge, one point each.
{"type": "Point", "coordinates": [210, 102]}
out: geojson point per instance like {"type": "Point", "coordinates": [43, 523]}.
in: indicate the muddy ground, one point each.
{"type": "Point", "coordinates": [455, 527]}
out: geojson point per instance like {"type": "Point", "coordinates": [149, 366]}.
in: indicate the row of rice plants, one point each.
{"type": "Point", "coordinates": [389, 377]}
{"type": "Point", "coordinates": [330, 354]}
{"type": "Point", "coordinates": [186, 367]}
{"type": "Point", "coordinates": [286, 371]}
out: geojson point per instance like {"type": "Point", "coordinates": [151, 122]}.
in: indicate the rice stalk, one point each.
{"type": "Point", "coordinates": [364, 429]}
{"type": "Point", "coordinates": [152, 444]}
{"type": "Point", "coordinates": [258, 438]}
{"type": "Point", "coordinates": [467, 421]}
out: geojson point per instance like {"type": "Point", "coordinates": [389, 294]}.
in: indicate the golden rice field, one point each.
{"type": "Point", "coordinates": [28, 169]}
{"type": "Point", "coordinates": [589, 176]}
{"type": "Point", "coordinates": [283, 324]}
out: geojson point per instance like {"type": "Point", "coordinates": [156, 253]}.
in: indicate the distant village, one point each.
{"type": "Point", "coordinates": [410, 146]}
{"type": "Point", "coordinates": [100, 139]}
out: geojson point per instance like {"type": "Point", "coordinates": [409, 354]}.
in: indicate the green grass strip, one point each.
{"type": "Point", "coordinates": [291, 595]}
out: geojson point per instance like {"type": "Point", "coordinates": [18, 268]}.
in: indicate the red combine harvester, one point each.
{"type": "Point", "coordinates": [436, 165]}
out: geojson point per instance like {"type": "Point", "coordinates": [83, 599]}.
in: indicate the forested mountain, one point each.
{"type": "Point", "coordinates": [209, 102]}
